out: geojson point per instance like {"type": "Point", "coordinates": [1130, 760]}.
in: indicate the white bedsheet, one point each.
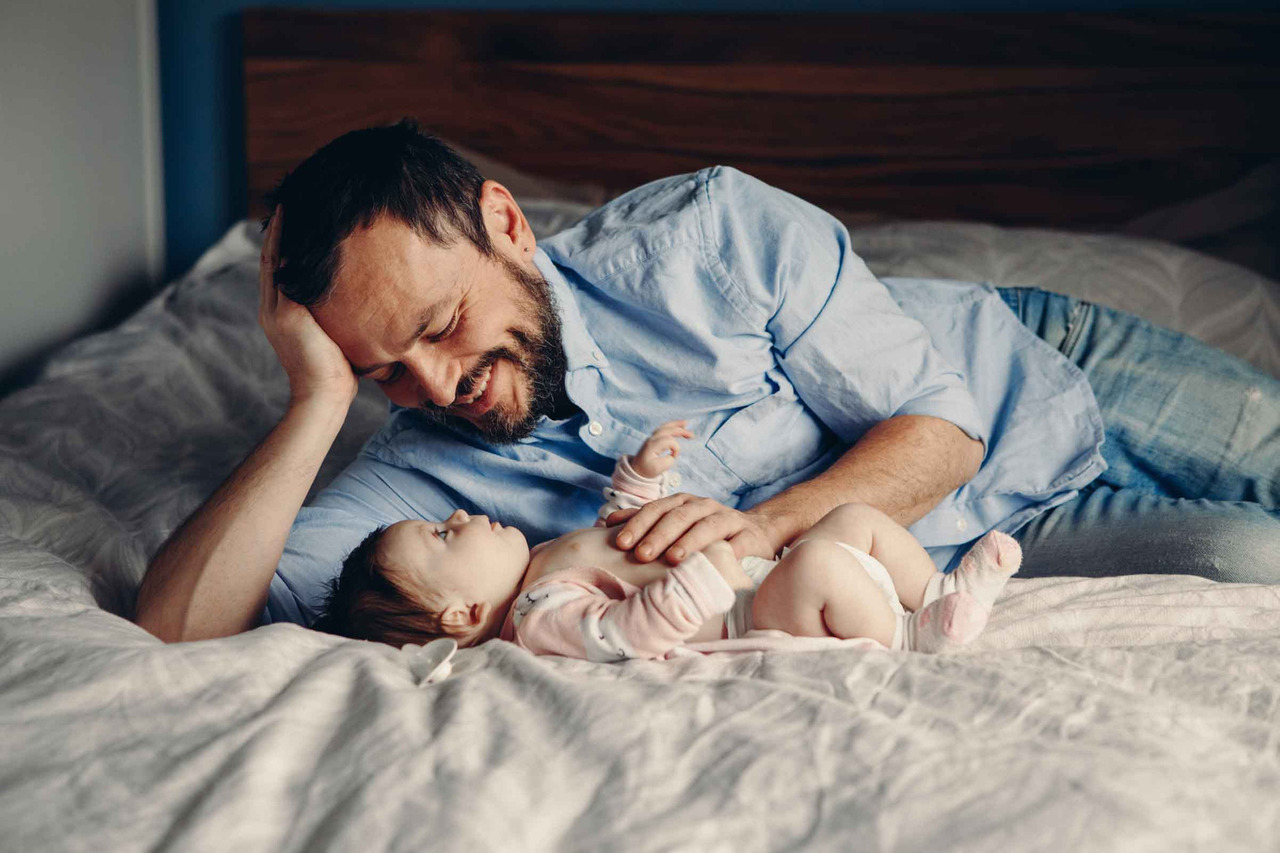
{"type": "Point", "coordinates": [1122, 714]}
{"type": "Point", "coordinates": [1145, 717]}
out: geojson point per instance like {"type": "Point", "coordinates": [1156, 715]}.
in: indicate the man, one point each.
{"type": "Point", "coordinates": [518, 373]}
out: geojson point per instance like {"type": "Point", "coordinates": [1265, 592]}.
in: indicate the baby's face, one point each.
{"type": "Point", "coordinates": [464, 556]}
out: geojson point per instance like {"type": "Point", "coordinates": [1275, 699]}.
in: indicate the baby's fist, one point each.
{"type": "Point", "coordinates": [727, 564]}
{"type": "Point", "coordinates": [658, 453]}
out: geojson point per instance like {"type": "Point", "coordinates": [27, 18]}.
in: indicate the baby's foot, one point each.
{"type": "Point", "coordinates": [982, 572]}
{"type": "Point", "coordinates": [987, 567]}
{"type": "Point", "coordinates": [953, 620]}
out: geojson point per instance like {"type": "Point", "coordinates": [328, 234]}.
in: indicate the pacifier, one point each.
{"type": "Point", "coordinates": [431, 663]}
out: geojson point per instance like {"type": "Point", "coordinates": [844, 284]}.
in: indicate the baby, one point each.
{"type": "Point", "coordinates": [856, 573]}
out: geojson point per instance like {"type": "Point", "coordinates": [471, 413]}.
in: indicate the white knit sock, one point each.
{"type": "Point", "coordinates": [982, 572]}
{"type": "Point", "coordinates": [953, 620]}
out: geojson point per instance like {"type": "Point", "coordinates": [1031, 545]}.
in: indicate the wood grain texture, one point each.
{"type": "Point", "coordinates": [1065, 120]}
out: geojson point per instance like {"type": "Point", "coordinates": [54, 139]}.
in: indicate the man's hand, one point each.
{"type": "Point", "coordinates": [680, 524]}
{"type": "Point", "coordinates": [316, 367]}
{"type": "Point", "coordinates": [660, 450]}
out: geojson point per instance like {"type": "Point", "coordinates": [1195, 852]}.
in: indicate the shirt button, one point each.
{"type": "Point", "coordinates": [674, 479]}
{"type": "Point", "coordinates": [961, 524]}
{"type": "Point", "coordinates": [597, 355]}
{"type": "Point", "coordinates": [595, 428]}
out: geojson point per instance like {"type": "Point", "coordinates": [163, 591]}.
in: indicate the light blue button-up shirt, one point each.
{"type": "Point", "coordinates": [719, 299]}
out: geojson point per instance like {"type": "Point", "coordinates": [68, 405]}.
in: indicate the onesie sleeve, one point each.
{"type": "Point", "coordinates": [576, 617]}
{"type": "Point", "coordinates": [630, 490]}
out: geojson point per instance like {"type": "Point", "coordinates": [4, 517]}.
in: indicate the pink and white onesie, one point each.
{"type": "Point", "coordinates": [587, 612]}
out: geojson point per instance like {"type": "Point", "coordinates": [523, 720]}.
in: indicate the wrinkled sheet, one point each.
{"type": "Point", "coordinates": [1135, 713]}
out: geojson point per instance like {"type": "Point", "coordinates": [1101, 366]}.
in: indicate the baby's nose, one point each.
{"type": "Point", "coordinates": [459, 515]}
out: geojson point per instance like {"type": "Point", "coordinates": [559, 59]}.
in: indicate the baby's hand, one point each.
{"type": "Point", "coordinates": [658, 453]}
{"type": "Point", "coordinates": [722, 557]}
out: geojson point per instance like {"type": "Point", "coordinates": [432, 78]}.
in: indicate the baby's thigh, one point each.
{"type": "Point", "coordinates": [821, 590]}
{"type": "Point", "coordinates": [852, 523]}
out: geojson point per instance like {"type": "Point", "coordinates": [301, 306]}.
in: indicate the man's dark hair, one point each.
{"type": "Point", "coordinates": [361, 176]}
{"type": "Point", "coordinates": [363, 602]}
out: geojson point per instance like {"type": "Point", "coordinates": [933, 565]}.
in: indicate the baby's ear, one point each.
{"type": "Point", "coordinates": [459, 618]}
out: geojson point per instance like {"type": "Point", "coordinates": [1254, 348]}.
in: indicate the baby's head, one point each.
{"type": "Point", "coordinates": [417, 580]}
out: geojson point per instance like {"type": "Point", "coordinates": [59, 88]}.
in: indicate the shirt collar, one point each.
{"type": "Point", "coordinates": [580, 348]}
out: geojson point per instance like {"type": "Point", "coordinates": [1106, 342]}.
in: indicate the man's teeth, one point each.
{"type": "Point", "coordinates": [478, 392]}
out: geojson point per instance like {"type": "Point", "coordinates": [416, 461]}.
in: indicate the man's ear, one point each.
{"type": "Point", "coordinates": [504, 218]}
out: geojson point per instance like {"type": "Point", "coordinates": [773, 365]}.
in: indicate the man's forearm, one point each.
{"type": "Point", "coordinates": [903, 466]}
{"type": "Point", "coordinates": [211, 577]}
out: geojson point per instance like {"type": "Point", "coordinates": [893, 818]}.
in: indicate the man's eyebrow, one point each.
{"type": "Point", "coordinates": [428, 317]}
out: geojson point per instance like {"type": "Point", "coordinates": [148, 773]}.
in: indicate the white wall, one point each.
{"type": "Point", "coordinates": [81, 224]}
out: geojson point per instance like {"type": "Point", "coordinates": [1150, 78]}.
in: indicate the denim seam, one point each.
{"type": "Point", "coordinates": [1075, 327]}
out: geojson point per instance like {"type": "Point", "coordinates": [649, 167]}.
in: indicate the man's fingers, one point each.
{"type": "Point", "coordinates": [618, 516]}
{"type": "Point", "coordinates": [672, 525]}
{"type": "Point", "coordinates": [272, 243]}
{"type": "Point", "coordinates": [267, 293]}
{"type": "Point", "coordinates": [714, 528]}
{"type": "Point", "coordinates": [645, 517]}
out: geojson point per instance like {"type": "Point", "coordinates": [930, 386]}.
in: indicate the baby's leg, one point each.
{"type": "Point", "coordinates": [821, 590]}
{"type": "Point", "coordinates": [870, 530]}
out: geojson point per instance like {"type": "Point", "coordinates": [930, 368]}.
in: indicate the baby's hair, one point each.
{"type": "Point", "coordinates": [365, 602]}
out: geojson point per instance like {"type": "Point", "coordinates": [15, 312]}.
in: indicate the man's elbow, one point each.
{"type": "Point", "coordinates": [972, 452]}
{"type": "Point", "coordinates": [175, 622]}
{"type": "Point", "coordinates": [181, 631]}
{"type": "Point", "coordinates": [155, 620]}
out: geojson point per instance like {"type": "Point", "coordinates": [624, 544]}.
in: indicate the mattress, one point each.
{"type": "Point", "coordinates": [1128, 713]}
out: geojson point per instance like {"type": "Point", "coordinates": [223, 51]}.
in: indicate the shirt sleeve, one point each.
{"type": "Point", "coordinates": [576, 618]}
{"type": "Point", "coordinates": [854, 357]}
{"type": "Point", "coordinates": [369, 494]}
{"type": "Point", "coordinates": [629, 490]}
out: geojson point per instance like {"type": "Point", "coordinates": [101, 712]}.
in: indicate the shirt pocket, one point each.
{"type": "Point", "coordinates": [770, 439]}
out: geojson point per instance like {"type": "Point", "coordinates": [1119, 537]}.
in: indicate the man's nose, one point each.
{"type": "Point", "coordinates": [438, 377]}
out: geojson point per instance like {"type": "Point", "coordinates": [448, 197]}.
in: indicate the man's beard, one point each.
{"type": "Point", "coordinates": [539, 363]}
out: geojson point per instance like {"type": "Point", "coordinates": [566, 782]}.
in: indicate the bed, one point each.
{"type": "Point", "coordinates": [1130, 713]}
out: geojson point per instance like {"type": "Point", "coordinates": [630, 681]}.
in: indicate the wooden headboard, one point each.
{"type": "Point", "coordinates": [1031, 119]}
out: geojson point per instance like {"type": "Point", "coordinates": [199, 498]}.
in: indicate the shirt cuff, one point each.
{"type": "Point", "coordinates": [954, 405]}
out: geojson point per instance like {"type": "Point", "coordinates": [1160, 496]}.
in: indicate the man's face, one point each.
{"type": "Point", "coordinates": [446, 330]}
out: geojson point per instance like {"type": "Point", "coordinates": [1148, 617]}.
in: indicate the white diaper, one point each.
{"type": "Point", "coordinates": [738, 620]}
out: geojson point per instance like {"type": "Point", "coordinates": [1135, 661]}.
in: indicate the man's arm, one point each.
{"type": "Point", "coordinates": [863, 367]}
{"type": "Point", "coordinates": [903, 466]}
{"type": "Point", "coordinates": [211, 577]}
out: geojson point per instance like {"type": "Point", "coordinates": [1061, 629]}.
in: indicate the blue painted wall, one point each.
{"type": "Point", "coordinates": [200, 82]}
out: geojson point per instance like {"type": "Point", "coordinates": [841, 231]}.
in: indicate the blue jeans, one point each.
{"type": "Point", "coordinates": [1192, 445]}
